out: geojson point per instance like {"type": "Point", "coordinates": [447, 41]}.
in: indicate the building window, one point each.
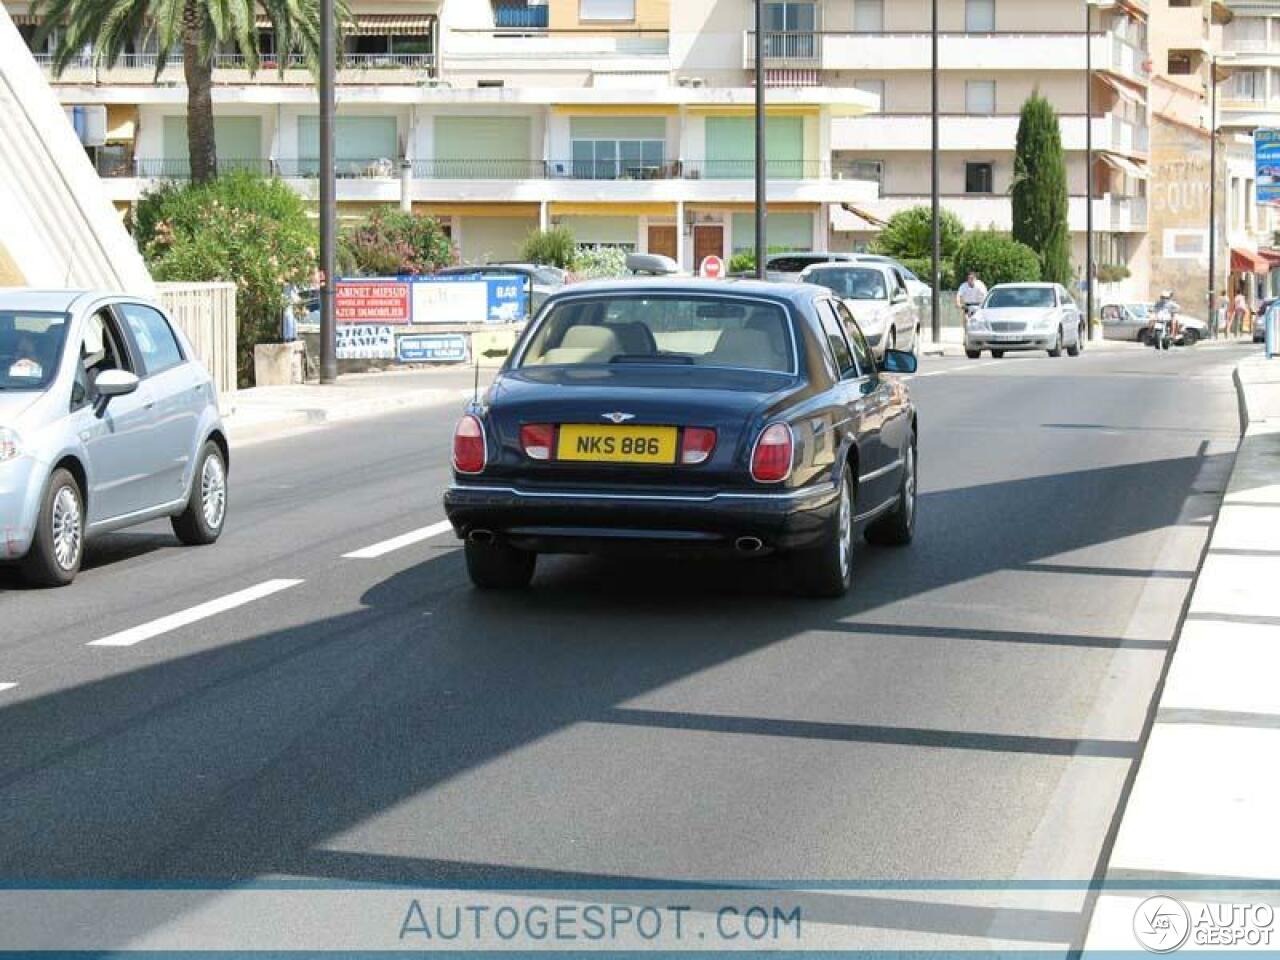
{"type": "Point", "coordinates": [868, 16]}
{"type": "Point", "coordinates": [1246, 34]}
{"type": "Point", "coordinates": [1180, 64]}
{"type": "Point", "coordinates": [979, 178]}
{"type": "Point", "coordinates": [980, 97]}
{"type": "Point", "coordinates": [607, 9]}
{"type": "Point", "coordinates": [1248, 85]}
{"type": "Point", "coordinates": [876, 89]}
{"type": "Point", "coordinates": [980, 16]}
{"type": "Point", "coordinates": [856, 168]}
{"type": "Point", "coordinates": [618, 159]}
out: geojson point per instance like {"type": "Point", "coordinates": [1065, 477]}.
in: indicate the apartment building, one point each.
{"type": "Point", "coordinates": [503, 117]}
{"type": "Point", "coordinates": [1249, 99]}
{"type": "Point", "coordinates": [993, 55]}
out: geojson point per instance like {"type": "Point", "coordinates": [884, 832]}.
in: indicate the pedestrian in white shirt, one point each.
{"type": "Point", "coordinates": [972, 292]}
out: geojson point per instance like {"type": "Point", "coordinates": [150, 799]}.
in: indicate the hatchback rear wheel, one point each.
{"type": "Point", "coordinates": [201, 522]}
{"type": "Point", "coordinates": [58, 546]}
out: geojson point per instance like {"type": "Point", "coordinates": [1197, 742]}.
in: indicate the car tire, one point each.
{"type": "Point", "coordinates": [58, 545]}
{"type": "Point", "coordinates": [201, 522]}
{"type": "Point", "coordinates": [915, 343]}
{"type": "Point", "coordinates": [1190, 338]}
{"type": "Point", "coordinates": [998, 354]}
{"type": "Point", "coordinates": [1144, 338]}
{"type": "Point", "coordinates": [972, 354]}
{"type": "Point", "coordinates": [1075, 348]}
{"type": "Point", "coordinates": [898, 527]}
{"type": "Point", "coordinates": [827, 571]}
{"type": "Point", "coordinates": [1057, 350]}
{"type": "Point", "coordinates": [497, 566]}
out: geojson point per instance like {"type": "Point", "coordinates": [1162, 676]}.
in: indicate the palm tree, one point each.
{"type": "Point", "coordinates": [196, 28]}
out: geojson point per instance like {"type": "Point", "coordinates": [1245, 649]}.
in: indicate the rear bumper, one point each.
{"type": "Point", "coordinates": [577, 521]}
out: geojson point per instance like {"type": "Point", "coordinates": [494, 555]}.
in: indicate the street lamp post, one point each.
{"type": "Point", "coordinates": [328, 199]}
{"type": "Point", "coordinates": [1088, 166]}
{"type": "Point", "coordinates": [936, 301]}
{"type": "Point", "coordinates": [762, 193]}
{"type": "Point", "coordinates": [1213, 191]}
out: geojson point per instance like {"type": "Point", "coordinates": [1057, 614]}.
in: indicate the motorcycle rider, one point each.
{"type": "Point", "coordinates": [1164, 306]}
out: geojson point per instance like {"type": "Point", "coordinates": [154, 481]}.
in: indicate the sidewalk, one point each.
{"type": "Point", "coordinates": [1202, 813]}
{"type": "Point", "coordinates": [263, 413]}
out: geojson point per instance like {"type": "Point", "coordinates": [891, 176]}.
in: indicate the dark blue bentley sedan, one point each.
{"type": "Point", "coordinates": [682, 416]}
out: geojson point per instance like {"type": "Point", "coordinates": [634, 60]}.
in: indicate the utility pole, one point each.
{"type": "Point", "coordinates": [1213, 190]}
{"type": "Point", "coordinates": [328, 196]}
{"type": "Point", "coordinates": [936, 301]}
{"type": "Point", "coordinates": [1088, 166]}
{"type": "Point", "coordinates": [762, 190]}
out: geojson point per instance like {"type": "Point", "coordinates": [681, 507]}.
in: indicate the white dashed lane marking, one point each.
{"type": "Point", "coordinates": [6, 686]}
{"type": "Point", "coordinates": [127, 638]}
{"type": "Point", "coordinates": [397, 543]}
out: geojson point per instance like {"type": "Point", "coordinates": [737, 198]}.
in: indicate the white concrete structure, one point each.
{"type": "Point", "coordinates": [57, 227]}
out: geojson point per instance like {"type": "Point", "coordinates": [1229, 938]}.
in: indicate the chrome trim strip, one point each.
{"type": "Point", "coordinates": [887, 505]}
{"type": "Point", "coordinates": [874, 474]}
{"type": "Point", "coordinates": [801, 494]}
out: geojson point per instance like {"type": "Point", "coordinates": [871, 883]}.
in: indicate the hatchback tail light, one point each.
{"type": "Point", "coordinates": [536, 439]}
{"type": "Point", "coordinates": [696, 445]}
{"type": "Point", "coordinates": [469, 453]}
{"type": "Point", "coordinates": [771, 458]}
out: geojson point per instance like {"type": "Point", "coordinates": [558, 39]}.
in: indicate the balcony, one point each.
{"type": "Point", "coordinates": [843, 50]}
{"type": "Point", "coordinates": [232, 68]}
{"type": "Point", "coordinates": [520, 16]}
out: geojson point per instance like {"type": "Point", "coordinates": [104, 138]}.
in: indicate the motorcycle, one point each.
{"type": "Point", "coordinates": [1162, 330]}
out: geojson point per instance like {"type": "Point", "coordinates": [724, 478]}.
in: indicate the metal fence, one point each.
{"type": "Point", "coordinates": [206, 313]}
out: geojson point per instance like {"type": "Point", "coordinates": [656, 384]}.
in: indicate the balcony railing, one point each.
{"type": "Point", "coordinates": [512, 16]}
{"type": "Point", "coordinates": [171, 168]}
{"type": "Point", "coordinates": [797, 47]}
{"type": "Point", "coordinates": [746, 169]}
{"type": "Point", "coordinates": [267, 63]}
{"type": "Point", "coordinates": [487, 169]}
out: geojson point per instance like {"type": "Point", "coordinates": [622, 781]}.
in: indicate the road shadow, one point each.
{"type": "Point", "coordinates": [268, 756]}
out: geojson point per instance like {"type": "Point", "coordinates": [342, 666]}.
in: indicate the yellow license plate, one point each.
{"type": "Point", "coordinates": [589, 443]}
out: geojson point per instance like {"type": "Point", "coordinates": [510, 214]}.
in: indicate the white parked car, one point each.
{"type": "Point", "coordinates": [1025, 316]}
{"type": "Point", "coordinates": [877, 296]}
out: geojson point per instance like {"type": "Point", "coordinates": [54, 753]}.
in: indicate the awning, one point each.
{"type": "Point", "coordinates": [1248, 261]}
{"type": "Point", "coordinates": [1125, 91]}
{"type": "Point", "coordinates": [379, 24]}
{"type": "Point", "coordinates": [1124, 165]}
{"type": "Point", "coordinates": [122, 123]}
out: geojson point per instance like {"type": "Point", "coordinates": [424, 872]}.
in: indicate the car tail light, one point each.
{"type": "Point", "coordinates": [697, 444]}
{"type": "Point", "coordinates": [469, 452]}
{"type": "Point", "coordinates": [771, 458]}
{"type": "Point", "coordinates": [536, 439]}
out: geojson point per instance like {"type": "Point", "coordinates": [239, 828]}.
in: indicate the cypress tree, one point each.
{"type": "Point", "coordinates": [1040, 205]}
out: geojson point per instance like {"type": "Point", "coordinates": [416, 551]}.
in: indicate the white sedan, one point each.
{"type": "Point", "coordinates": [1025, 316]}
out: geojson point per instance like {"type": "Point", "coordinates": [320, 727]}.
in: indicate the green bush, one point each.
{"type": "Point", "coordinates": [996, 258]}
{"type": "Point", "coordinates": [909, 236]}
{"type": "Point", "coordinates": [743, 262]}
{"type": "Point", "coordinates": [604, 264]}
{"type": "Point", "coordinates": [1111, 272]}
{"type": "Point", "coordinates": [241, 228]}
{"type": "Point", "coordinates": [394, 243]}
{"type": "Point", "coordinates": [553, 248]}
{"type": "Point", "coordinates": [923, 268]}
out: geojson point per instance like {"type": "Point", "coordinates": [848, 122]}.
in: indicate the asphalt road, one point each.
{"type": "Point", "coordinates": [970, 712]}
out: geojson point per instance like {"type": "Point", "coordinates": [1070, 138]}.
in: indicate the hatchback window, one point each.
{"type": "Point", "coordinates": [1025, 298]}
{"type": "Point", "coordinates": [30, 348]}
{"type": "Point", "coordinates": [671, 330]}
{"type": "Point", "coordinates": [852, 283]}
{"type": "Point", "coordinates": [155, 340]}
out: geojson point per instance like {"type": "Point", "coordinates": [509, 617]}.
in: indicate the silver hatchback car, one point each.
{"type": "Point", "coordinates": [106, 420]}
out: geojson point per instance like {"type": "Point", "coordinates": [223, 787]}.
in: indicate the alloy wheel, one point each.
{"type": "Point", "coordinates": [846, 531]}
{"type": "Point", "coordinates": [67, 533]}
{"type": "Point", "coordinates": [213, 492]}
{"type": "Point", "coordinates": [909, 488]}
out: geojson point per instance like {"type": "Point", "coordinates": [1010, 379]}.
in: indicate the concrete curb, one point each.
{"type": "Point", "coordinates": [1201, 814]}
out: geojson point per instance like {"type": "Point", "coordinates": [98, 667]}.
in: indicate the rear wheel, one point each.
{"type": "Point", "coordinates": [997, 354]}
{"type": "Point", "coordinates": [201, 522]}
{"type": "Point", "coordinates": [972, 354]}
{"type": "Point", "coordinates": [58, 546]}
{"type": "Point", "coordinates": [896, 528]}
{"type": "Point", "coordinates": [497, 566]}
{"type": "Point", "coordinates": [827, 571]}
{"type": "Point", "coordinates": [1075, 348]}
{"type": "Point", "coordinates": [1189, 337]}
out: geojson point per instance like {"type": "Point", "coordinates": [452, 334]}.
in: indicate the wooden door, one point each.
{"type": "Point", "coordinates": [662, 240]}
{"type": "Point", "coordinates": [708, 241]}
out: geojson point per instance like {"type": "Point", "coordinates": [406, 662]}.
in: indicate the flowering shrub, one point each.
{"type": "Point", "coordinates": [394, 243]}
{"type": "Point", "coordinates": [605, 263]}
{"type": "Point", "coordinates": [240, 227]}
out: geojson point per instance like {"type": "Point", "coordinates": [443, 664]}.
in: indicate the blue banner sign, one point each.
{"type": "Point", "coordinates": [1266, 145]}
{"type": "Point", "coordinates": [431, 348]}
{"type": "Point", "coordinates": [466, 299]}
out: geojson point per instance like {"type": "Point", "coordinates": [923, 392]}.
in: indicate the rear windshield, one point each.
{"type": "Point", "coordinates": [795, 264]}
{"type": "Point", "coordinates": [678, 330]}
{"type": "Point", "coordinates": [30, 348]}
{"type": "Point", "coordinates": [852, 283]}
{"type": "Point", "coordinates": [1020, 297]}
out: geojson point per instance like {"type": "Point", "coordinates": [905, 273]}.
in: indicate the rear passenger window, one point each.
{"type": "Point", "coordinates": [155, 340]}
{"type": "Point", "coordinates": [836, 340]}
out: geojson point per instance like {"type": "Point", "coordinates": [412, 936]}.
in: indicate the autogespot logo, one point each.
{"type": "Point", "coordinates": [1161, 924]}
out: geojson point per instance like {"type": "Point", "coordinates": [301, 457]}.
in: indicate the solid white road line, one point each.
{"type": "Point", "coordinates": [397, 543]}
{"type": "Point", "coordinates": [127, 638]}
{"type": "Point", "coordinates": [6, 686]}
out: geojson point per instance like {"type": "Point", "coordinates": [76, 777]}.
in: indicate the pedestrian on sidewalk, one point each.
{"type": "Point", "coordinates": [1239, 313]}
